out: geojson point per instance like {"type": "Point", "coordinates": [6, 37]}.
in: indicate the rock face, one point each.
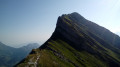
{"type": "Point", "coordinates": [76, 42]}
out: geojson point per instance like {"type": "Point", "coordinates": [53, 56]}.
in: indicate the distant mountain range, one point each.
{"type": "Point", "coordinates": [76, 42]}
{"type": "Point", "coordinates": [9, 56]}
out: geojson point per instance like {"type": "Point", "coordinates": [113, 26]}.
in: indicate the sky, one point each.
{"type": "Point", "coordinates": [34, 21]}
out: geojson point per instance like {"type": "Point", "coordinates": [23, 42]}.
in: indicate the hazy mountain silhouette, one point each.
{"type": "Point", "coordinates": [76, 42]}
{"type": "Point", "coordinates": [9, 56]}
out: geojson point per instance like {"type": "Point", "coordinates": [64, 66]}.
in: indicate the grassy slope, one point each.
{"type": "Point", "coordinates": [60, 54]}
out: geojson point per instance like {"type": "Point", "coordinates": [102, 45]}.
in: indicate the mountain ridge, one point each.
{"type": "Point", "coordinates": [76, 42]}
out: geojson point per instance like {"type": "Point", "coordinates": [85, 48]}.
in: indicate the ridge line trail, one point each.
{"type": "Point", "coordinates": [32, 62]}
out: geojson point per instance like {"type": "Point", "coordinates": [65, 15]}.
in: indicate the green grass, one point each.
{"type": "Point", "coordinates": [70, 57]}
{"type": "Point", "coordinates": [70, 53]}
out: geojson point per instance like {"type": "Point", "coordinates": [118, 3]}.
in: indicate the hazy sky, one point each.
{"type": "Point", "coordinates": [27, 21]}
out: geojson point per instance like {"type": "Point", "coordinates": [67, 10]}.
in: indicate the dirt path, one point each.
{"type": "Point", "coordinates": [31, 62]}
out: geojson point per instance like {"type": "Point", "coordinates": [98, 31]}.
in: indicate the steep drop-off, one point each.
{"type": "Point", "coordinates": [76, 42]}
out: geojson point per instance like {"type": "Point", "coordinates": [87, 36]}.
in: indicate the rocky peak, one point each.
{"type": "Point", "coordinates": [67, 24]}
{"type": "Point", "coordinates": [70, 18]}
